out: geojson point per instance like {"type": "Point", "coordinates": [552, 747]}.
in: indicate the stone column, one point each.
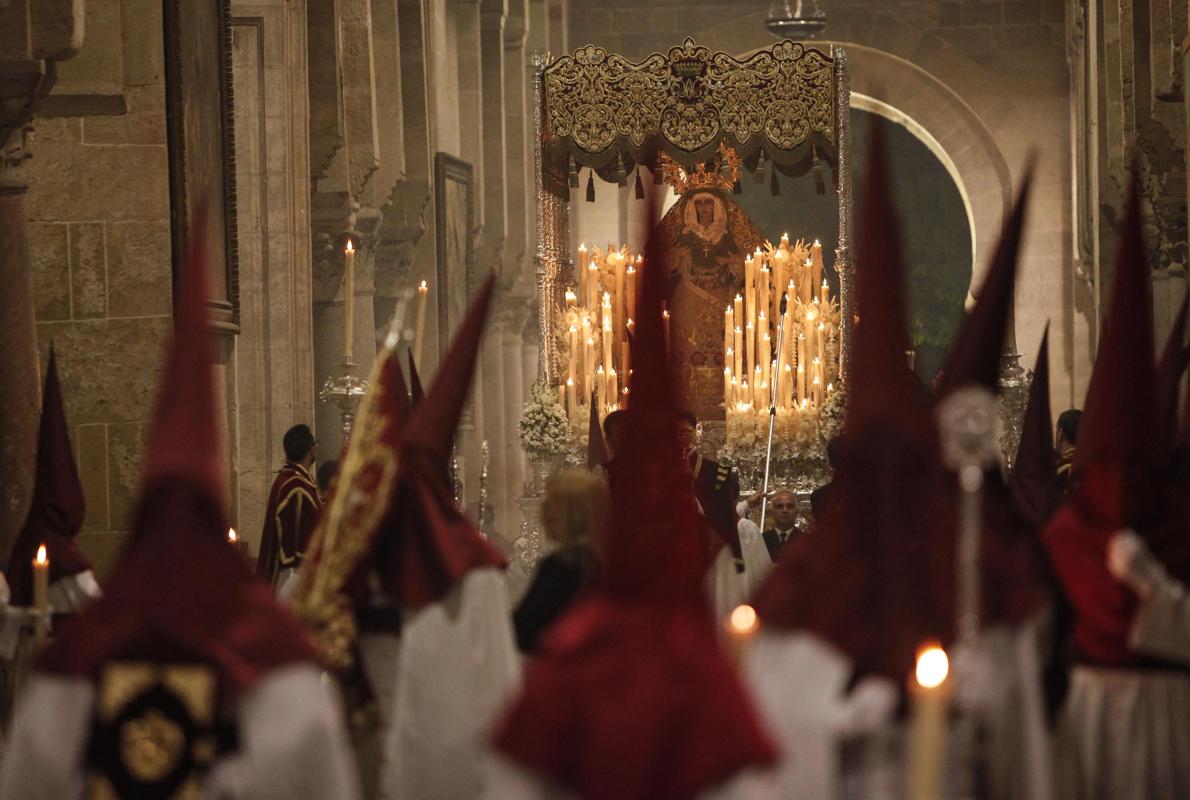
{"type": "Point", "coordinates": [514, 401]}
{"type": "Point", "coordinates": [492, 386]}
{"type": "Point", "coordinates": [494, 174]}
{"type": "Point", "coordinates": [36, 34]}
{"type": "Point", "coordinates": [20, 401]}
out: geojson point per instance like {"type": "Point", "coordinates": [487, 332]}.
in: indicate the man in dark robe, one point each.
{"type": "Point", "coordinates": [293, 510]}
{"type": "Point", "coordinates": [716, 488]}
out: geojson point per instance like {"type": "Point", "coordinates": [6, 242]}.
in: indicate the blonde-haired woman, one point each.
{"type": "Point", "coordinates": [572, 514]}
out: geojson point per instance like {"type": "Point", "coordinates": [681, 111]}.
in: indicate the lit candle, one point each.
{"type": "Point", "coordinates": [613, 386]}
{"type": "Point", "coordinates": [665, 323]}
{"type": "Point", "coordinates": [571, 300]}
{"type": "Point", "coordinates": [423, 292]}
{"type": "Point", "coordinates": [762, 302]}
{"type": "Point", "coordinates": [571, 391]}
{"type": "Point", "coordinates": [825, 295]}
{"type": "Point", "coordinates": [588, 367]}
{"type": "Point", "coordinates": [786, 385]}
{"type": "Point", "coordinates": [816, 388]}
{"type": "Point", "coordinates": [573, 337]}
{"type": "Point", "coordinates": [41, 595]}
{"type": "Point", "coordinates": [600, 389]}
{"type": "Point", "coordinates": [816, 261]}
{"type": "Point", "coordinates": [801, 384]}
{"type": "Point", "coordinates": [630, 288]}
{"type": "Point", "coordinates": [728, 327]}
{"type": "Point", "coordinates": [349, 303]}
{"type": "Point", "coordinates": [726, 387]}
{"type": "Point", "coordinates": [929, 694]}
{"type": "Point", "coordinates": [757, 381]}
{"type": "Point", "coordinates": [749, 289]}
{"type": "Point", "coordinates": [232, 536]}
{"type": "Point", "coordinates": [620, 316]}
{"type": "Point", "coordinates": [738, 349]}
{"type": "Point", "coordinates": [592, 298]}
{"type": "Point", "coordinates": [741, 624]}
{"type": "Point", "coordinates": [805, 281]}
{"type": "Point", "coordinates": [625, 361]}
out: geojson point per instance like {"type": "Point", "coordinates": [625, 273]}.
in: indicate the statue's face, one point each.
{"type": "Point", "coordinates": [704, 209]}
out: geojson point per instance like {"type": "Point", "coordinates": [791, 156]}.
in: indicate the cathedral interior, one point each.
{"type": "Point", "coordinates": [410, 129]}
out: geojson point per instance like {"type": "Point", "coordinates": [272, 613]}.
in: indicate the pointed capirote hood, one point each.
{"type": "Point", "coordinates": [635, 664]}
{"type": "Point", "coordinates": [1170, 367]}
{"type": "Point", "coordinates": [975, 355]}
{"type": "Point", "coordinates": [596, 446]}
{"type": "Point", "coordinates": [1119, 469]}
{"type": "Point", "coordinates": [417, 392]}
{"type": "Point", "coordinates": [432, 426]}
{"type": "Point", "coordinates": [1119, 446]}
{"type": "Point", "coordinates": [411, 536]}
{"type": "Point", "coordinates": [179, 590]}
{"type": "Point", "coordinates": [1034, 483]}
{"type": "Point", "coordinates": [891, 499]}
{"type": "Point", "coordinates": [57, 508]}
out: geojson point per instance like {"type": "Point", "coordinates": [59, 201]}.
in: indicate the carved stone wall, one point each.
{"type": "Point", "coordinates": [99, 237]}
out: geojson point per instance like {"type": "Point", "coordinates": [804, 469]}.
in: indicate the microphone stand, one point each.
{"type": "Point", "coordinates": [775, 381]}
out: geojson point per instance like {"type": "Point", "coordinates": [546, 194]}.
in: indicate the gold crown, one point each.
{"type": "Point", "coordinates": [683, 181]}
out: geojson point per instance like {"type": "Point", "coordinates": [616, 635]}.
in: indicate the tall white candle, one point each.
{"type": "Point", "coordinates": [419, 331]}
{"type": "Point", "coordinates": [41, 595]}
{"type": "Point", "coordinates": [349, 303]}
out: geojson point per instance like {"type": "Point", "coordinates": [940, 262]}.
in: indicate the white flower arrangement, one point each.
{"type": "Point", "coordinates": [544, 428]}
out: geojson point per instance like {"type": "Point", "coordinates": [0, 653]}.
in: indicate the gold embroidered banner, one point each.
{"type": "Point", "coordinates": [603, 111]}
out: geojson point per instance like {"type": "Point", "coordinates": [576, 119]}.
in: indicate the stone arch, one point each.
{"type": "Point", "coordinates": [987, 133]}
{"type": "Point", "coordinates": [895, 66]}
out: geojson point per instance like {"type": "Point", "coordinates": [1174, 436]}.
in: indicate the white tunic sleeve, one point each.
{"type": "Point", "coordinates": [70, 594]}
{"type": "Point", "coordinates": [458, 668]}
{"type": "Point", "coordinates": [1162, 624]}
{"type": "Point", "coordinates": [44, 755]}
{"type": "Point", "coordinates": [293, 745]}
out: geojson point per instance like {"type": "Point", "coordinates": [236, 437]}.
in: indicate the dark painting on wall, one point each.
{"type": "Point", "coordinates": [201, 142]}
{"type": "Point", "coordinates": [454, 216]}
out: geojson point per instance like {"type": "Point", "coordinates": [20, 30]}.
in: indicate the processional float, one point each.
{"type": "Point", "coordinates": [703, 122]}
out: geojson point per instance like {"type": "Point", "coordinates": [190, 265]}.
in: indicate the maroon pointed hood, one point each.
{"type": "Point", "coordinates": [1116, 461]}
{"type": "Point", "coordinates": [596, 447]}
{"type": "Point", "coordinates": [57, 509]}
{"type": "Point", "coordinates": [418, 394]}
{"type": "Point", "coordinates": [1118, 467]}
{"type": "Point", "coordinates": [635, 666]}
{"type": "Point", "coordinates": [432, 427]}
{"type": "Point", "coordinates": [1034, 485]}
{"type": "Point", "coordinates": [1170, 367]}
{"type": "Point", "coordinates": [890, 500]}
{"type": "Point", "coordinates": [975, 355]}
{"type": "Point", "coordinates": [178, 549]}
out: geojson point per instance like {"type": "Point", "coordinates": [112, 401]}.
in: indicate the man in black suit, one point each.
{"type": "Point", "coordinates": [783, 507]}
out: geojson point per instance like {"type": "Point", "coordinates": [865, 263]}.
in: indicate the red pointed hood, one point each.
{"type": "Point", "coordinates": [57, 509]}
{"type": "Point", "coordinates": [418, 394]}
{"type": "Point", "coordinates": [178, 550]}
{"type": "Point", "coordinates": [434, 421]}
{"type": "Point", "coordinates": [1034, 485]}
{"type": "Point", "coordinates": [596, 447]}
{"type": "Point", "coordinates": [1116, 461]}
{"type": "Point", "coordinates": [975, 355]}
{"type": "Point", "coordinates": [635, 666]}
{"type": "Point", "coordinates": [1170, 367]}
{"type": "Point", "coordinates": [890, 499]}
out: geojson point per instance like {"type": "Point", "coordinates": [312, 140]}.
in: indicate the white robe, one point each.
{"type": "Point", "coordinates": [729, 587]}
{"type": "Point", "coordinates": [457, 669]}
{"type": "Point", "coordinates": [1125, 735]}
{"type": "Point", "coordinates": [292, 742]}
{"type": "Point", "coordinates": [509, 781]}
{"type": "Point", "coordinates": [799, 684]}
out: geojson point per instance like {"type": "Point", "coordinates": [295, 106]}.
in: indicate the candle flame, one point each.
{"type": "Point", "coordinates": [232, 536]}
{"type": "Point", "coordinates": [664, 314]}
{"type": "Point", "coordinates": [570, 381]}
{"type": "Point", "coordinates": [743, 620]}
{"type": "Point", "coordinates": [582, 248]}
{"type": "Point", "coordinates": [631, 270]}
{"type": "Point", "coordinates": [350, 247]}
{"type": "Point", "coordinates": [42, 558]}
{"type": "Point", "coordinates": [932, 667]}
{"type": "Point", "coordinates": [423, 288]}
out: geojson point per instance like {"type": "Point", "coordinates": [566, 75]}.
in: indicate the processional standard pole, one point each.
{"type": "Point", "coordinates": [775, 383]}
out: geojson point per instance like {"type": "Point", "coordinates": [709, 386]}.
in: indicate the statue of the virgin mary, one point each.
{"type": "Point", "coordinates": [708, 237]}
